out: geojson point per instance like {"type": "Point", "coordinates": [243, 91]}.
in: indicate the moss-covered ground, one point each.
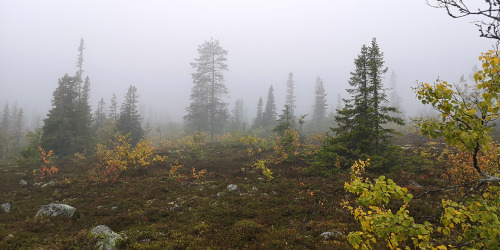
{"type": "Point", "coordinates": [154, 210]}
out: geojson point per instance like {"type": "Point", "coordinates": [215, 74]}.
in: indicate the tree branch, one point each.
{"type": "Point", "coordinates": [458, 9]}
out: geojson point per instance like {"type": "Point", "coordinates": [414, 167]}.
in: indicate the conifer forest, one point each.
{"type": "Point", "coordinates": [250, 124]}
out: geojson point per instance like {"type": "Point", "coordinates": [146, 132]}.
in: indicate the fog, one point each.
{"type": "Point", "coordinates": [150, 44]}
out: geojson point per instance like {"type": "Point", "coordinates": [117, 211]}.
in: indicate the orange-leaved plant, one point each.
{"type": "Point", "coordinates": [45, 169]}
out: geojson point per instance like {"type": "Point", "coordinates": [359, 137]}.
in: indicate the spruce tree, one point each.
{"type": "Point", "coordinates": [382, 113]}
{"type": "Point", "coordinates": [129, 121]}
{"type": "Point", "coordinates": [84, 117]}
{"type": "Point", "coordinates": [67, 128]}
{"type": "Point", "coordinates": [207, 111]}
{"type": "Point", "coordinates": [284, 122]}
{"type": "Point", "coordinates": [113, 108]}
{"type": "Point", "coordinates": [320, 105]}
{"type": "Point", "coordinates": [60, 126]}
{"type": "Point", "coordinates": [79, 61]}
{"type": "Point", "coordinates": [290, 94]}
{"type": "Point", "coordinates": [269, 114]}
{"type": "Point", "coordinates": [17, 128]}
{"type": "Point", "coordinates": [257, 123]}
{"type": "Point", "coordinates": [361, 131]}
{"type": "Point", "coordinates": [6, 119]}
{"type": "Point", "coordinates": [394, 98]}
{"type": "Point", "coordinates": [5, 132]}
{"type": "Point", "coordinates": [238, 114]}
{"type": "Point", "coordinates": [100, 115]}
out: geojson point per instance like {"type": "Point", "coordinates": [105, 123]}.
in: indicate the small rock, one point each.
{"type": "Point", "coordinates": [415, 184]}
{"type": "Point", "coordinates": [23, 183]}
{"type": "Point", "coordinates": [175, 207]}
{"type": "Point", "coordinates": [114, 208]}
{"type": "Point", "coordinates": [5, 207]}
{"type": "Point", "coordinates": [219, 194]}
{"type": "Point", "coordinates": [48, 184]}
{"type": "Point", "coordinates": [254, 188]}
{"type": "Point", "coordinates": [328, 235]}
{"type": "Point", "coordinates": [55, 209]}
{"type": "Point", "coordinates": [231, 187]}
{"type": "Point", "coordinates": [274, 193]}
{"type": "Point", "coordinates": [106, 238]}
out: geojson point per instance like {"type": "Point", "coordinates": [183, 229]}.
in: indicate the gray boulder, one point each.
{"type": "Point", "coordinates": [106, 238]}
{"type": "Point", "coordinates": [5, 207]}
{"type": "Point", "coordinates": [55, 209]}
{"type": "Point", "coordinates": [23, 183]}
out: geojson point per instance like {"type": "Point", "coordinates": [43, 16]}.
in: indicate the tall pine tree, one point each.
{"type": "Point", "coordinates": [207, 111]}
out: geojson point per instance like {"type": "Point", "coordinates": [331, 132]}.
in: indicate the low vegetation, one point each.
{"type": "Point", "coordinates": [362, 185]}
{"type": "Point", "coordinates": [183, 201]}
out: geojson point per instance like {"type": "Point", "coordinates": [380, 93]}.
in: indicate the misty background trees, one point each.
{"type": "Point", "coordinates": [290, 95]}
{"type": "Point", "coordinates": [11, 129]}
{"type": "Point", "coordinates": [320, 106]}
{"type": "Point", "coordinates": [73, 126]}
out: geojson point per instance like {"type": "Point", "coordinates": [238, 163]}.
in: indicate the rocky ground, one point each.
{"type": "Point", "coordinates": [231, 206]}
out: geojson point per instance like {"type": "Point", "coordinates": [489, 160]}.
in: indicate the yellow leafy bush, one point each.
{"type": "Point", "coordinates": [112, 162]}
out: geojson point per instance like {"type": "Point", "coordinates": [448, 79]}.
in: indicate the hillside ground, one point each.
{"type": "Point", "coordinates": [154, 210]}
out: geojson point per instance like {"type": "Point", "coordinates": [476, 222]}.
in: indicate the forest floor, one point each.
{"type": "Point", "coordinates": [153, 210]}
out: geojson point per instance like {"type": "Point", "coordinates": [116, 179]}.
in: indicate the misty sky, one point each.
{"type": "Point", "coordinates": [150, 44]}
